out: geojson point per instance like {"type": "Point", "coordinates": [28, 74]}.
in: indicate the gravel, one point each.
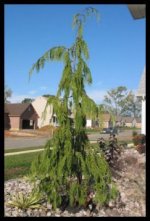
{"type": "Point", "coordinates": [129, 178]}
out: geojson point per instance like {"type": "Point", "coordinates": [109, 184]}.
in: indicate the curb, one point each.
{"type": "Point", "coordinates": [22, 152]}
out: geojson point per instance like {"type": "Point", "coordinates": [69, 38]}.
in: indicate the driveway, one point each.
{"type": "Point", "coordinates": [21, 142]}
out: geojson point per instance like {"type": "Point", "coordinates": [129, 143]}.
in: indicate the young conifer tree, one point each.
{"type": "Point", "coordinates": [69, 166]}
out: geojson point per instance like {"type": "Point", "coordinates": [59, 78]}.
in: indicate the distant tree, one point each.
{"type": "Point", "coordinates": [8, 94]}
{"type": "Point", "coordinates": [131, 106]}
{"type": "Point", "coordinates": [114, 99]}
{"type": "Point", "coordinates": [46, 95]}
{"type": "Point", "coordinates": [72, 170]}
{"type": "Point", "coordinates": [101, 110]}
{"type": "Point", "coordinates": [27, 100]}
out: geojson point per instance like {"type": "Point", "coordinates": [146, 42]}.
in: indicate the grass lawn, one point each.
{"type": "Point", "coordinates": [18, 165]}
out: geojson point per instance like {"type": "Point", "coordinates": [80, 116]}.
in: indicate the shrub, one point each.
{"type": "Point", "coordinates": [134, 133]}
{"type": "Point", "coordinates": [33, 200]}
{"type": "Point", "coordinates": [140, 143]}
{"type": "Point", "coordinates": [139, 139]}
{"type": "Point", "coordinates": [141, 148]}
{"type": "Point", "coordinates": [112, 150]}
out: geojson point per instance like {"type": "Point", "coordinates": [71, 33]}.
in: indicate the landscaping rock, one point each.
{"type": "Point", "coordinates": [129, 177]}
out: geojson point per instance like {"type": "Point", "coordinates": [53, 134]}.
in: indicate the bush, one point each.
{"type": "Point", "coordinates": [140, 143]}
{"type": "Point", "coordinates": [111, 151]}
{"type": "Point", "coordinates": [134, 133]}
{"type": "Point", "coordinates": [141, 148]}
{"type": "Point", "coordinates": [139, 139]}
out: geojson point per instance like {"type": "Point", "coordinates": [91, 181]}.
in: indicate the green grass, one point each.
{"type": "Point", "coordinates": [88, 130]}
{"type": "Point", "coordinates": [18, 165]}
{"type": "Point", "coordinates": [23, 149]}
{"type": "Point", "coordinates": [129, 128]}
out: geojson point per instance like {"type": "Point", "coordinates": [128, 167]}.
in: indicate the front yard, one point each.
{"type": "Point", "coordinates": [18, 165]}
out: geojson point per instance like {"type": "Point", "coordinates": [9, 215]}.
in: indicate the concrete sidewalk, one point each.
{"type": "Point", "coordinates": [22, 152]}
{"type": "Point", "coordinates": [30, 151]}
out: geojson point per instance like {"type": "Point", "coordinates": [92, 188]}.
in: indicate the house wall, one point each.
{"type": "Point", "coordinates": [138, 125]}
{"type": "Point", "coordinates": [6, 121]}
{"type": "Point", "coordinates": [14, 123]}
{"type": "Point", "coordinates": [106, 124]}
{"type": "Point", "coordinates": [39, 105]}
{"type": "Point", "coordinates": [128, 124]}
{"type": "Point", "coordinates": [143, 129]}
{"type": "Point", "coordinates": [88, 123]}
{"type": "Point", "coordinates": [134, 123]}
{"type": "Point", "coordinates": [30, 114]}
{"type": "Point", "coordinates": [91, 123]}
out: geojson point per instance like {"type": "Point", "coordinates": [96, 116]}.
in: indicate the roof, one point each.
{"type": "Point", "coordinates": [16, 109]}
{"type": "Point", "coordinates": [141, 88]}
{"type": "Point", "coordinates": [137, 10]}
{"type": "Point", "coordinates": [6, 109]}
{"type": "Point", "coordinates": [128, 119]}
{"type": "Point", "coordinates": [138, 119]}
{"type": "Point", "coordinates": [118, 118]}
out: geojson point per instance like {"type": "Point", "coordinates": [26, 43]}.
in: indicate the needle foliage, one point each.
{"type": "Point", "coordinates": [70, 166]}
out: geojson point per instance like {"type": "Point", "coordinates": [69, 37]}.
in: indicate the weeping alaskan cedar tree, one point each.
{"type": "Point", "coordinates": [69, 166]}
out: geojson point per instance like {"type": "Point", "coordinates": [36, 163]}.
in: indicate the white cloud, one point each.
{"type": "Point", "coordinates": [97, 95]}
{"type": "Point", "coordinates": [43, 88]}
{"type": "Point", "coordinates": [33, 92]}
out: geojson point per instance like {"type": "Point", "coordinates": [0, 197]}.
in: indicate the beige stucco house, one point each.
{"type": "Point", "coordinates": [141, 93]}
{"type": "Point", "coordinates": [138, 11]}
{"type": "Point", "coordinates": [46, 116]}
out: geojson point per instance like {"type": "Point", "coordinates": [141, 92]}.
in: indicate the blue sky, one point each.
{"type": "Point", "coordinates": [116, 46]}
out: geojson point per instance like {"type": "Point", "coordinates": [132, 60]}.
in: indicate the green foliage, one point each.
{"type": "Point", "coordinates": [56, 53]}
{"type": "Point", "coordinates": [27, 100]}
{"type": "Point", "coordinates": [134, 133]}
{"type": "Point", "coordinates": [131, 105]}
{"type": "Point", "coordinates": [139, 139]}
{"type": "Point", "coordinates": [123, 102]}
{"type": "Point", "coordinates": [114, 99]}
{"type": "Point", "coordinates": [22, 201]}
{"type": "Point", "coordinates": [69, 165]}
{"type": "Point", "coordinates": [8, 94]}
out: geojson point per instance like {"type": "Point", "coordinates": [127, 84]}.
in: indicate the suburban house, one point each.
{"type": "Point", "coordinates": [107, 122]}
{"type": "Point", "coordinates": [91, 123]}
{"type": "Point", "coordinates": [141, 93]}
{"type": "Point", "coordinates": [138, 122]}
{"type": "Point", "coordinates": [129, 122]}
{"type": "Point", "coordinates": [46, 116]}
{"type": "Point", "coordinates": [138, 11]}
{"type": "Point", "coordinates": [6, 118]}
{"type": "Point", "coordinates": [119, 121]}
{"type": "Point", "coordinates": [104, 121]}
{"type": "Point", "coordinates": [20, 116]}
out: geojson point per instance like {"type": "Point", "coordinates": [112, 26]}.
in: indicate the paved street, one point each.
{"type": "Point", "coordinates": [21, 142]}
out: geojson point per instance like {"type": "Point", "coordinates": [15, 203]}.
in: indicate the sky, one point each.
{"type": "Point", "coordinates": [116, 43]}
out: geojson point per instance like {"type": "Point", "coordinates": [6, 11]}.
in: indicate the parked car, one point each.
{"type": "Point", "coordinates": [110, 130]}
